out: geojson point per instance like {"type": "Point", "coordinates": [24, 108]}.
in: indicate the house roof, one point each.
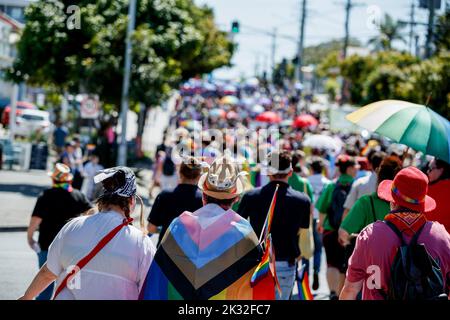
{"type": "Point", "coordinates": [16, 25]}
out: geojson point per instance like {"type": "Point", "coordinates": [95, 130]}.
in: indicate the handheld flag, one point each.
{"type": "Point", "coordinates": [268, 260]}
{"type": "Point", "coordinates": [304, 291]}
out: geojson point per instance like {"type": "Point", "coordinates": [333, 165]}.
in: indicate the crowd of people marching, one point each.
{"type": "Point", "coordinates": [249, 187]}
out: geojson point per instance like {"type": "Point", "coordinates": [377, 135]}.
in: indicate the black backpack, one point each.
{"type": "Point", "coordinates": [415, 275]}
{"type": "Point", "coordinates": [168, 164]}
{"type": "Point", "coordinates": [336, 209]}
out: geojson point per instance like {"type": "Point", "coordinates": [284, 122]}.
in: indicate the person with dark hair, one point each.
{"type": "Point", "coordinates": [169, 204]}
{"type": "Point", "coordinates": [78, 163]}
{"type": "Point", "coordinates": [291, 215]}
{"type": "Point", "coordinates": [297, 180]}
{"type": "Point", "coordinates": [59, 137]}
{"type": "Point", "coordinates": [103, 255]}
{"type": "Point", "coordinates": [369, 208]}
{"type": "Point", "coordinates": [210, 253]}
{"type": "Point", "coordinates": [331, 207]}
{"type": "Point", "coordinates": [318, 182]}
{"type": "Point", "coordinates": [439, 189]}
{"type": "Point", "coordinates": [53, 209]}
{"type": "Point", "coordinates": [366, 184]}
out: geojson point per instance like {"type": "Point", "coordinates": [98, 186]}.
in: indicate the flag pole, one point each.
{"type": "Point", "coordinates": [272, 203]}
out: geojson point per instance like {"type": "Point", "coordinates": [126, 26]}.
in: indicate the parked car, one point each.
{"type": "Point", "coordinates": [30, 121]}
{"type": "Point", "coordinates": [21, 105]}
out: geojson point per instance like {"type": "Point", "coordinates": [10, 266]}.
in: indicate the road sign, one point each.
{"type": "Point", "coordinates": [89, 109]}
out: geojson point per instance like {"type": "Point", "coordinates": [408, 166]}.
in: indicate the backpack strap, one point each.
{"type": "Point", "coordinates": [395, 229]}
{"type": "Point", "coordinates": [399, 234]}
{"type": "Point", "coordinates": [417, 234]}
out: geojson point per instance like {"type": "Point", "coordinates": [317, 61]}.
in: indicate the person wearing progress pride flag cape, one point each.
{"type": "Point", "coordinates": [211, 253]}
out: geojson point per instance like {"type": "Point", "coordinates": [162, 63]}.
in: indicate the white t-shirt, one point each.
{"type": "Point", "coordinates": [318, 182]}
{"type": "Point", "coordinates": [362, 186]}
{"type": "Point", "coordinates": [117, 272]}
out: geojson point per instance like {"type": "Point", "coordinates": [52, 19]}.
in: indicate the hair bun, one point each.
{"type": "Point", "coordinates": [114, 182]}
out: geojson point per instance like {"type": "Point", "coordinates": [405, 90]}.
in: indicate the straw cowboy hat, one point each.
{"type": "Point", "coordinates": [223, 179]}
{"type": "Point", "coordinates": [408, 189]}
{"type": "Point", "coordinates": [61, 173]}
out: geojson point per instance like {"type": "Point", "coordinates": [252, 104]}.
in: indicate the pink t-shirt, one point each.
{"type": "Point", "coordinates": [375, 250]}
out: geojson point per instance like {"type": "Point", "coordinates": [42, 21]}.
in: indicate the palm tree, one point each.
{"type": "Point", "coordinates": [390, 31]}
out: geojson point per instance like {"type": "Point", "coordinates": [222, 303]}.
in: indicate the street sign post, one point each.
{"type": "Point", "coordinates": [89, 109]}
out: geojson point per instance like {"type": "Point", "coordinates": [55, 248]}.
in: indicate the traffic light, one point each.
{"type": "Point", "coordinates": [235, 27]}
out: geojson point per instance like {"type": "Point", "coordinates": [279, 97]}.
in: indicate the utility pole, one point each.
{"type": "Point", "coordinates": [348, 7]}
{"type": "Point", "coordinates": [430, 28]}
{"type": "Point", "coordinates": [122, 155]}
{"type": "Point", "coordinates": [298, 70]}
{"type": "Point", "coordinates": [257, 56]}
{"type": "Point", "coordinates": [274, 48]}
{"type": "Point", "coordinates": [416, 42]}
{"type": "Point", "coordinates": [411, 27]}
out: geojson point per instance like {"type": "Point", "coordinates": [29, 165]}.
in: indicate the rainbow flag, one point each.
{"type": "Point", "coordinates": [208, 254]}
{"type": "Point", "coordinates": [268, 260]}
{"type": "Point", "coordinates": [304, 291]}
{"type": "Point", "coordinates": [263, 267]}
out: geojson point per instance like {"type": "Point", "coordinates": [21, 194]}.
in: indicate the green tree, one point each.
{"type": "Point", "coordinates": [430, 78]}
{"type": "Point", "coordinates": [390, 31]}
{"type": "Point", "coordinates": [316, 54]}
{"type": "Point", "coordinates": [173, 40]}
{"type": "Point", "coordinates": [366, 73]}
{"type": "Point", "coordinates": [442, 32]}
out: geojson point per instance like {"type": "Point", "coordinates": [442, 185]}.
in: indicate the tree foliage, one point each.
{"type": "Point", "coordinates": [173, 40]}
{"type": "Point", "coordinates": [389, 31]}
{"type": "Point", "coordinates": [395, 75]}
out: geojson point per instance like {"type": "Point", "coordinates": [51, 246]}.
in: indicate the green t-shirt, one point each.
{"type": "Point", "coordinates": [299, 183]}
{"type": "Point", "coordinates": [324, 201]}
{"type": "Point", "coordinates": [362, 214]}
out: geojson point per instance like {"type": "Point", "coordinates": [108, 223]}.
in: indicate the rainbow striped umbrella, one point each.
{"type": "Point", "coordinates": [414, 125]}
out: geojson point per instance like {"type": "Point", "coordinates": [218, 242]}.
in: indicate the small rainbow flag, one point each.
{"type": "Point", "coordinates": [268, 260]}
{"type": "Point", "coordinates": [263, 267]}
{"type": "Point", "coordinates": [304, 291]}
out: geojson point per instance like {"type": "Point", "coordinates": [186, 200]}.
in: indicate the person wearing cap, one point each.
{"type": "Point", "coordinates": [68, 156]}
{"type": "Point", "coordinates": [210, 253]}
{"type": "Point", "coordinates": [169, 204]}
{"type": "Point", "coordinates": [117, 265]}
{"type": "Point", "coordinates": [291, 214]}
{"type": "Point", "coordinates": [54, 207]}
{"type": "Point", "coordinates": [377, 244]}
{"type": "Point", "coordinates": [332, 202]}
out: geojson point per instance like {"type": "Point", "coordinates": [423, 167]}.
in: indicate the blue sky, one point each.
{"type": "Point", "coordinates": [325, 21]}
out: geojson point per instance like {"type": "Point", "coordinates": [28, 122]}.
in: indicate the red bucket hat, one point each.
{"type": "Point", "coordinates": [408, 189]}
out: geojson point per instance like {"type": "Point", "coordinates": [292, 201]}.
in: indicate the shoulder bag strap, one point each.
{"type": "Point", "coordinates": [103, 242]}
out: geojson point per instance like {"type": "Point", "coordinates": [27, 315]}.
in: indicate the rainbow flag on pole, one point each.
{"type": "Point", "coordinates": [304, 291]}
{"type": "Point", "coordinates": [268, 260]}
